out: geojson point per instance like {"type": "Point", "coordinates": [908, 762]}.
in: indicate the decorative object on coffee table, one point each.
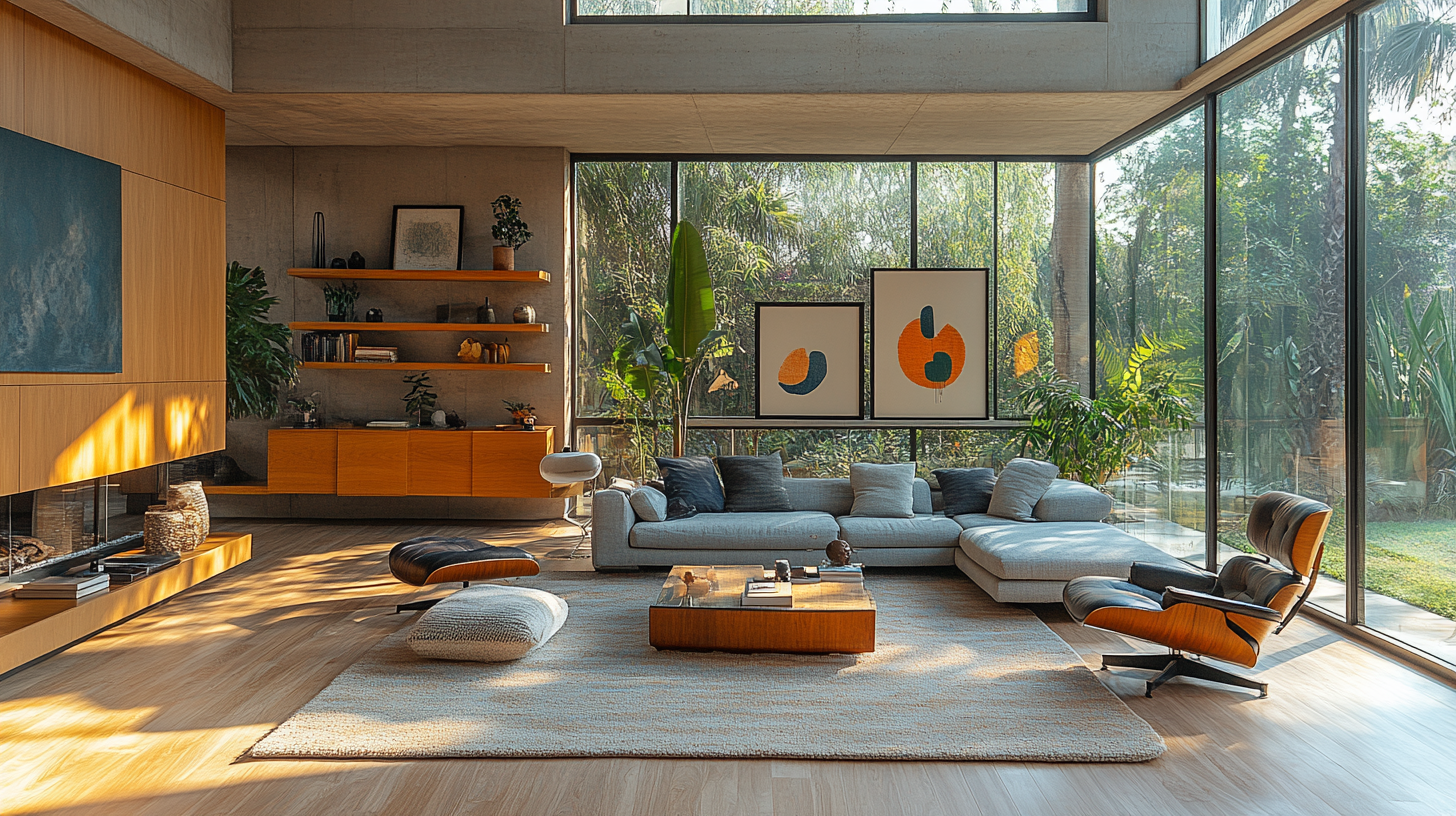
{"type": "Point", "coordinates": [509, 230]}
{"type": "Point", "coordinates": [813, 353]}
{"type": "Point", "coordinates": [488, 624]}
{"type": "Point", "coordinates": [782, 573]}
{"type": "Point", "coordinates": [440, 560]}
{"type": "Point", "coordinates": [426, 238]}
{"type": "Point", "coordinates": [838, 553]}
{"type": "Point", "coordinates": [928, 343]}
{"type": "Point", "coordinates": [524, 313]}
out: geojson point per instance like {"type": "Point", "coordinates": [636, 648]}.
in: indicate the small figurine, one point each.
{"type": "Point", "coordinates": [838, 552]}
{"type": "Point", "coordinates": [356, 261]}
{"type": "Point", "coordinates": [689, 577]}
{"type": "Point", "coordinates": [437, 419]}
{"type": "Point", "coordinates": [782, 573]}
{"type": "Point", "coordinates": [453, 420]}
{"type": "Point", "coordinates": [374, 316]}
{"type": "Point", "coordinates": [470, 350]}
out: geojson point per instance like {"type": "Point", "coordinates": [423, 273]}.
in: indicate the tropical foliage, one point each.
{"type": "Point", "coordinates": [259, 359]}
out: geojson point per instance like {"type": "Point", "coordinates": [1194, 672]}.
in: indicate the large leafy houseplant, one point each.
{"type": "Point", "coordinates": [1092, 439]}
{"type": "Point", "coordinates": [259, 360]}
{"type": "Point", "coordinates": [666, 369]}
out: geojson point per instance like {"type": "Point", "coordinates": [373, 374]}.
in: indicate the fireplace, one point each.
{"type": "Point", "coordinates": [53, 529]}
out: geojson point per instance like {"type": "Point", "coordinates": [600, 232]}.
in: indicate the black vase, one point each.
{"type": "Point", "coordinates": [338, 263]}
{"type": "Point", "coordinates": [356, 261]}
{"type": "Point", "coordinates": [319, 256]}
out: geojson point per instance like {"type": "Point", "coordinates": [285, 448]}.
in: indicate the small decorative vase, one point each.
{"type": "Point", "coordinates": [338, 263]}
{"type": "Point", "coordinates": [524, 314]}
{"type": "Point", "coordinates": [356, 261]}
{"type": "Point", "coordinates": [191, 496]}
{"type": "Point", "coordinates": [374, 316]}
{"type": "Point", "coordinates": [503, 258]}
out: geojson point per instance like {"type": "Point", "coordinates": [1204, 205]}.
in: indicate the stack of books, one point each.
{"type": "Point", "coordinates": [64, 587]}
{"type": "Point", "coordinates": [376, 354]}
{"type": "Point", "coordinates": [767, 593]}
{"type": "Point", "coordinates": [124, 569]}
{"type": "Point", "coordinates": [797, 575]}
{"type": "Point", "coordinates": [851, 574]}
{"type": "Point", "coordinates": [387, 423]}
{"type": "Point", "coordinates": [327, 347]}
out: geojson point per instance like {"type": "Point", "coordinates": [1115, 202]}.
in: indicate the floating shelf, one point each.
{"type": "Point", "coordinates": [539, 368]}
{"type": "Point", "coordinates": [357, 326]}
{"type": "Point", "coordinates": [497, 275]}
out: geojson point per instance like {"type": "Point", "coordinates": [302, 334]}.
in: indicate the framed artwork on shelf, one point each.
{"type": "Point", "coordinates": [809, 360]}
{"type": "Point", "coordinates": [928, 348]}
{"type": "Point", "coordinates": [426, 238]}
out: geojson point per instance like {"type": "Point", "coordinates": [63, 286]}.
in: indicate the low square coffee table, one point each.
{"type": "Point", "coordinates": [826, 617]}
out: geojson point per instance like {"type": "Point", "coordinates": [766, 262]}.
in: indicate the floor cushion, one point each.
{"type": "Point", "coordinates": [489, 624]}
{"type": "Point", "coordinates": [924, 530]}
{"type": "Point", "coordinates": [738, 531]}
{"type": "Point", "coordinates": [1057, 551]}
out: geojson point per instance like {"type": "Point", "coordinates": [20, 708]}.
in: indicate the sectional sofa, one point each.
{"type": "Point", "coordinates": [1015, 562]}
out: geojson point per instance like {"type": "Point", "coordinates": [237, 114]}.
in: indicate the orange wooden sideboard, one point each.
{"type": "Point", "coordinates": [414, 462]}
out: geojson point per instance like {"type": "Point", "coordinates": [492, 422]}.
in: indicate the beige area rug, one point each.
{"type": "Point", "coordinates": [954, 676]}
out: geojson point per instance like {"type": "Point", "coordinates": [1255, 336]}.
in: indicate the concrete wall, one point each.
{"type": "Point", "coordinates": [195, 35]}
{"type": "Point", "coordinates": [524, 46]}
{"type": "Point", "coordinates": [274, 192]}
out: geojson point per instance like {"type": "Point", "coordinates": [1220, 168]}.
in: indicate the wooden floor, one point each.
{"type": "Point", "coordinates": [149, 718]}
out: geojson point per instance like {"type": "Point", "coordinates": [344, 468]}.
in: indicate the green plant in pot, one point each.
{"type": "Point", "coordinates": [339, 301]}
{"type": "Point", "coordinates": [509, 230]}
{"type": "Point", "coordinates": [1093, 439]}
{"type": "Point", "coordinates": [522, 412]}
{"type": "Point", "coordinates": [668, 367]}
{"type": "Point", "coordinates": [259, 359]}
{"type": "Point", "coordinates": [420, 400]}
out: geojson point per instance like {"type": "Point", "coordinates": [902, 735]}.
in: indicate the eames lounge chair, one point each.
{"type": "Point", "coordinates": [1226, 616]}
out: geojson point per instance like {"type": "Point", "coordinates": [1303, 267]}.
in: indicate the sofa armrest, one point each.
{"type": "Point", "coordinates": [1158, 577]}
{"type": "Point", "coordinates": [612, 520]}
{"type": "Point", "coordinates": [1066, 500]}
{"type": "Point", "coordinates": [1173, 596]}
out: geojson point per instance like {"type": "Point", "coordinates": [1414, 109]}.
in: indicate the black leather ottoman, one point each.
{"type": "Point", "coordinates": [439, 559]}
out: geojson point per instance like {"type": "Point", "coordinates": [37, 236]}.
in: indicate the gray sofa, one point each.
{"type": "Point", "coordinates": [1015, 562]}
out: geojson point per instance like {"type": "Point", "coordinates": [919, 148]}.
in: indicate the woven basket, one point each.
{"type": "Point", "coordinates": [190, 495]}
{"type": "Point", "coordinates": [169, 531]}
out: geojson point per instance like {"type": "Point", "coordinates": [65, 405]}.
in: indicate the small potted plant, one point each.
{"type": "Point", "coordinates": [419, 402]}
{"type": "Point", "coordinates": [307, 408]}
{"type": "Point", "coordinates": [339, 301]}
{"type": "Point", "coordinates": [523, 413]}
{"type": "Point", "coordinates": [509, 230]}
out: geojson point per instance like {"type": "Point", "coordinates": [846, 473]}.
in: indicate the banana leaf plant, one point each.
{"type": "Point", "coordinates": [666, 367]}
{"type": "Point", "coordinates": [259, 358]}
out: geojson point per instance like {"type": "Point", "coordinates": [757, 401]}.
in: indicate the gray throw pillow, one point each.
{"type": "Point", "coordinates": [650, 504]}
{"type": "Point", "coordinates": [883, 491]}
{"type": "Point", "coordinates": [1019, 487]}
{"type": "Point", "coordinates": [754, 484]}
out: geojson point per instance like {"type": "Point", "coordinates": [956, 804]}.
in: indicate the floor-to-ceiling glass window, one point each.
{"type": "Point", "coordinates": [1281, 145]}
{"type": "Point", "coordinates": [1150, 280]}
{"type": "Point", "coordinates": [819, 8]}
{"type": "Point", "coordinates": [1225, 22]}
{"type": "Point", "coordinates": [1409, 239]}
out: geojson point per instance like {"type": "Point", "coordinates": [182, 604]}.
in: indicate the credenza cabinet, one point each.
{"type": "Point", "coordinates": [414, 462]}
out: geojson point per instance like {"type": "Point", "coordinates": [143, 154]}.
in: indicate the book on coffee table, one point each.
{"type": "Point", "coordinates": [850, 574]}
{"type": "Point", "coordinates": [767, 593]}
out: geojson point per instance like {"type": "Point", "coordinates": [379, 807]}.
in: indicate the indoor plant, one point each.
{"type": "Point", "coordinates": [259, 359]}
{"type": "Point", "coordinates": [690, 334]}
{"type": "Point", "coordinates": [420, 399]}
{"type": "Point", "coordinates": [509, 230]}
{"type": "Point", "coordinates": [522, 412]}
{"type": "Point", "coordinates": [339, 301]}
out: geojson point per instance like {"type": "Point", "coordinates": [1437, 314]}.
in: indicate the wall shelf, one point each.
{"type": "Point", "coordinates": [358, 326]}
{"type": "Point", "coordinates": [496, 275]}
{"type": "Point", "coordinates": [538, 368]}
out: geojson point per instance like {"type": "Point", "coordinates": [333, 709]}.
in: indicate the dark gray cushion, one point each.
{"type": "Point", "coordinates": [694, 481]}
{"type": "Point", "coordinates": [966, 490]}
{"type": "Point", "coordinates": [1019, 487]}
{"type": "Point", "coordinates": [883, 491]}
{"type": "Point", "coordinates": [754, 484]}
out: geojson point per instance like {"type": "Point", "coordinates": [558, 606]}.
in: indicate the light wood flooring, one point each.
{"type": "Point", "coordinates": [150, 716]}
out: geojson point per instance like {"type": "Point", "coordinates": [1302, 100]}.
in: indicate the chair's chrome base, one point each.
{"type": "Point", "coordinates": [1177, 664]}
{"type": "Point", "coordinates": [583, 526]}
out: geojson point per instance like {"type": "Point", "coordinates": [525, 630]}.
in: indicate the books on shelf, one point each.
{"type": "Point", "coordinates": [851, 574]}
{"type": "Point", "coordinates": [64, 587]}
{"type": "Point", "coordinates": [767, 593]}
{"type": "Point", "coordinates": [375, 354]}
{"type": "Point", "coordinates": [329, 347]}
{"type": "Point", "coordinates": [388, 423]}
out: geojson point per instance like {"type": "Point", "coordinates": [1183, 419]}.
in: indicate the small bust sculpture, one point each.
{"type": "Point", "coordinates": [470, 350]}
{"type": "Point", "coordinates": [838, 552]}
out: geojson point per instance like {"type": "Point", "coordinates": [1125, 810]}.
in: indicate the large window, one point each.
{"type": "Point", "coordinates": [812, 231]}
{"type": "Point", "coordinates": [1225, 22]}
{"type": "Point", "coordinates": [929, 9]}
{"type": "Point", "coordinates": [1150, 282]}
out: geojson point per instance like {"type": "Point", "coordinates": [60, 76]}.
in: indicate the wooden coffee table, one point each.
{"type": "Point", "coordinates": [826, 617]}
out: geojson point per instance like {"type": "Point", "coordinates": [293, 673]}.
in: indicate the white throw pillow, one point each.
{"type": "Point", "coordinates": [490, 624]}
{"type": "Point", "coordinates": [883, 491]}
{"type": "Point", "coordinates": [649, 503]}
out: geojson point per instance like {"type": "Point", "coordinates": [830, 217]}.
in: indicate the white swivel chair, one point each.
{"type": "Point", "coordinates": [573, 467]}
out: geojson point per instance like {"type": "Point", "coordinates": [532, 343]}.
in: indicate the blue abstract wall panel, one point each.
{"type": "Point", "coordinates": [60, 259]}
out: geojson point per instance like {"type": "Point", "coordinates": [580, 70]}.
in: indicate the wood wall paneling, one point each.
{"type": "Point", "coordinates": [373, 463]}
{"type": "Point", "coordinates": [303, 461]}
{"type": "Point", "coordinates": [439, 463]}
{"type": "Point", "coordinates": [9, 440]}
{"type": "Point", "coordinates": [174, 282]}
{"type": "Point", "coordinates": [508, 463]}
{"type": "Point", "coordinates": [12, 67]}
